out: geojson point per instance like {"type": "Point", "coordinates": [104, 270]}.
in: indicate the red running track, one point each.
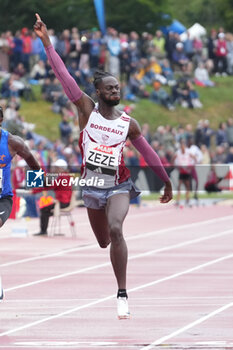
{"type": "Point", "coordinates": [60, 292]}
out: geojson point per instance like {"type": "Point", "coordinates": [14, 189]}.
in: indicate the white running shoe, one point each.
{"type": "Point", "coordinates": [123, 308]}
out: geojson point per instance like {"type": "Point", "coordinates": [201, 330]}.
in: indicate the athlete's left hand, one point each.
{"type": "Point", "coordinates": [167, 196]}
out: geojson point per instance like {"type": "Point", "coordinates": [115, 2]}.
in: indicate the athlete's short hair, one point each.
{"type": "Point", "coordinates": [1, 113]}
{"type": "Point", "coordinates": [98, 77]}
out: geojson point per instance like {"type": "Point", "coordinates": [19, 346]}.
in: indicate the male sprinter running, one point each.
{"type": "Point", "coordinates": [10, 145]}
{"type": "Point", "coordinates": [104, 130]}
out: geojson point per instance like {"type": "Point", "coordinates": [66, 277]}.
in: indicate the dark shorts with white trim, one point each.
{"type": "Point", "coordinates": [184, 176]}
{"type": "Point", "coordinates": [5, 208]}
{"type": "Point", "coordinates": [96, 198]}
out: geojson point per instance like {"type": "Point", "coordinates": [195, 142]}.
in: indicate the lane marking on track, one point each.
{"type": "Point", "coordinates": [113, 296]}
{"type": "Point", "coordinates": [50, 308]}
{"type": "Point", "coordinates": [161, 340]}
{"type": "Point", "coordinates": [140, 255]}
{"type": "Point", "coordinates": [66, 251]}
{"type": "Point", "coordinates": [159, 299]}
{"type": "Point", "coordinates": [68, 345]}
{"type": "Point", "coordinates": [130, 238]}
{"type": "Point", "coordinates": [86, 223]}
{"type": "Point", "coordinates": [181, 227]}
{"type": "Point", "coordinates": [46, 256]}
{"type": "Point", "coordinates": [84, 344]}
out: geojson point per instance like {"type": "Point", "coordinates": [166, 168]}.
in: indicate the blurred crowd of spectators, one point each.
{"type": "Point", "coordinates": [161, 68]}
{"type": "Point", "coordinates": [211, 146]}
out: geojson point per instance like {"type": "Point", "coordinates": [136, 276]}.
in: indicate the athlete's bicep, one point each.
{"type": "Point", "coordinates": [18, 146]}
{"type": "Point", "coordinates": [134, 129]}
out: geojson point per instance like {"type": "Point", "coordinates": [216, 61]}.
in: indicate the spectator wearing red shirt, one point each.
{"type": "Point", "coordinates": [212, 182]}
{"type": "Point", "coordinates": [27, 47]}
{"type": "Point", "coordinates": [62, 194]}
{"type": "Point", "coordinates": [221, 55]}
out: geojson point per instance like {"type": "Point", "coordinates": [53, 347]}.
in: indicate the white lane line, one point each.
{"type": "Point", "coordinates": [102, 300]}
{"type": "Point", "coordinates": [52, 278]}
{"type": "Point", "coordinates": [138, 236]}
{"type": "Point", "coordinates": [67, 345]}
{"type": "Point", "coordinates": [46, 256]}
{"type": "Point", "coordinates": [140, 255]}
{"type": "Point", "coordinates": [160, 341]}
{"type": "Point", "coordinates": [79, 224]}
{"type": "Point", "coordinates": [183, 244]}
{"type": "Point", "coordinates": [136, 305]}
{"type": "Point", "coordinates": [71, 250]}
{"type": "Point", "coordinates": [178, 274]}
{"type": "Point", "coordinates": [179, 299]}
{"type": "Point", "coordinates": [181, 227]}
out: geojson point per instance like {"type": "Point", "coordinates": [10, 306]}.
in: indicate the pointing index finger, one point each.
{"type": "Point", "coordinates": [38, 17]}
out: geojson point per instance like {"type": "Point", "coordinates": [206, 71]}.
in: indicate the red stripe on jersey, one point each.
{"type": "Point", "coordinates": [124, 172]}
{"type": "Point", "coordinates": [91, 138]}
{"type": "Point", "coordinates": [126, 119]}
{"type": "Point", "coordinates": [80, 142]}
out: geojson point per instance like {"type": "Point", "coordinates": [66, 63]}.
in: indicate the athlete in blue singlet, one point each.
{"type": "Point", "coordinates": [10, 145]}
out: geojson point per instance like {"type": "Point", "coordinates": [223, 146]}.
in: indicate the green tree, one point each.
{"type": "Point", "coordinates": [139, 15]}
{"type": "Point", "coordinates": [58, 14]}
{"type": "Point", "coordinates": [225, 9]}
{"type": "Point", "coordinates": [15, 15]}
{"type": "Point", "coordinates": [209, 13]}
{"type": "Point", "coordinates": [72, 13]}
{"type": "Point", "coordinates": [125, 15]}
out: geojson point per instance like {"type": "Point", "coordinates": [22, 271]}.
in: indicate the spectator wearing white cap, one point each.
{"type": "Point", "coordinates": [221, 55]}
{"type": "Point", "coordinates": [179, 58]}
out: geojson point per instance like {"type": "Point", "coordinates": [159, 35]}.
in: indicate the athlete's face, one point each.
{"type": "Point", "coordinates": [109, 91]}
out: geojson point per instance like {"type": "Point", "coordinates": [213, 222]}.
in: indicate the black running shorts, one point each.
{"type": "Point", "coordinates": [5, 208]}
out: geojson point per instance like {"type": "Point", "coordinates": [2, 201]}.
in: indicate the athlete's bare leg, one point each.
{"type": "Point", "coordinates": [99, 224]}
{"type": "Point", "coordinates": [116, 210]}
{"type": "Point", "coordinates": [187, 187]}
{"type": "Point", "coordinates": [178, 191]}
{"type": "Point", "coordinates": [186, 184]}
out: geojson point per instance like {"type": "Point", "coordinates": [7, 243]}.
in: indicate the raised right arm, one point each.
{"type": "Point", "coordinates": [82, 101]}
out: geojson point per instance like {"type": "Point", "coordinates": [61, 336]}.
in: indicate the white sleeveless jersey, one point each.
{"type": "Point", "coordinates": [183, 159]}
{"type": "Point", "coordinates": [101, 143]}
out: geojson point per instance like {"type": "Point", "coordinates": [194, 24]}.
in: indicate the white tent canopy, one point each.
{"type": "Point", "coordinates": [196, 31]}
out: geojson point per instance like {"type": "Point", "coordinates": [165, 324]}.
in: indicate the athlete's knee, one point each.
{"type": "Point", "coordinates": [116, 232]}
